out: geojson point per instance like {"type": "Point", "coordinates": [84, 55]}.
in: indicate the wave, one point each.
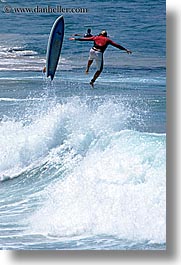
{"type": "Point", "coordinates": [20, 99]}
{"type": "Point", "coordinates": [15, 52]}
{"type": "Point", "coordinates": [21, 58]}
{"type": "Point", "coordinates": [97, 176]}
{"type": "Point", "coordinates": [117, 188]}
{"type": "Point", "coordinates": [81, 122]}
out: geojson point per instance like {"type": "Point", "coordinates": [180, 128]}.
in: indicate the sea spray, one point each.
{"type": "Point", "coordinates": [117, 190]}
{"type": "Point", "coordinates": [108, 177]}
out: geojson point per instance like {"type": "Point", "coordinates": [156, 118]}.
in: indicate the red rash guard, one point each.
{"type": "Point", "coordinates": [101, 42]}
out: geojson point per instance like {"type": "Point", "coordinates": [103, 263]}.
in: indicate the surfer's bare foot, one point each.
{"type": "Point", "coordinates": [86, 71]}
{"type": "Point", "coordinates": [92, 83]}
{"type": "Point", "coordinates": [44, 69]}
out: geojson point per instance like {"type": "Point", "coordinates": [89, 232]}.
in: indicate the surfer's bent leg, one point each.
{"type": "Point", "coordinates": [88, 65]}
{"type": "Point", "coordinates": [92, 56]}
{"type": "Point", "coordinates": [99, 62]}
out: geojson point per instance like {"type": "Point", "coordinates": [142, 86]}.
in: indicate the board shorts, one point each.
{"type": "Point", "coordinates": [98, 57]}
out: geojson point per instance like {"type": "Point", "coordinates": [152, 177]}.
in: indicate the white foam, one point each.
{"type": "Point", "coordinates": [19, 58]}
{"type": "Point", "coordinates": [113, 179]}
{"type": "Point", "coordinates": [116, 187]}
{"type": "Point", "coordinates": [118, 190]}
{"type": "Point", "coordinates": [21, 99]}
{"type": "Point", "coordinates": [23, 144]}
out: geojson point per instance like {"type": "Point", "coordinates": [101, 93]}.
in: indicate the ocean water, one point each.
{"type": "Point", "coordinates": [83, 168]}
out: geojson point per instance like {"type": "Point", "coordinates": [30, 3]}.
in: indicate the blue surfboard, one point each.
{"type": "Point", "coordinates": [54, 46]}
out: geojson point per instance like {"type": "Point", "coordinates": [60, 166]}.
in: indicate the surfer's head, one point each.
{"type": "Point", "coordinates": [88, 30]}
{"type": "Point", "coordinates": [103, 33]}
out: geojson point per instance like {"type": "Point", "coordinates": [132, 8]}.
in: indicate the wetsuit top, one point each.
{"type": "Point", "coordinates": [101, 43]}
{"type": "Point", "coordinates": [86, 35]}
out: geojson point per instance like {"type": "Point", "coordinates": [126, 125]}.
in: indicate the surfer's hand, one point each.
{"type": "Point", "coordinates": [71, 38]}
{"type": "Point", "coordinates": [129, 52]}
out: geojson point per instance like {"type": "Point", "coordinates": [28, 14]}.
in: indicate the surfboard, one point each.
{"type": "Point", "coordinates": [54, 46]}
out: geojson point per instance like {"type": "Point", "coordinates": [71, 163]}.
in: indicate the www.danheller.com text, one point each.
{"type": "Point", "coordinates": [47, 9]}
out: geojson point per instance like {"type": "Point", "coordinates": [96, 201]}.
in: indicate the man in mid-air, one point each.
{"type": "Point", "coordinates": [96, 52]}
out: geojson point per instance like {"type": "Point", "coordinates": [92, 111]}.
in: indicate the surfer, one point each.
{"type": "Point", "coordinates": [96, 52]}
{"type": "Point", "coordinates": [88, 33]}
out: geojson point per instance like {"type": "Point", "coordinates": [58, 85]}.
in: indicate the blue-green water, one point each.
{"type": "Point", "coordinates": [83, 168]}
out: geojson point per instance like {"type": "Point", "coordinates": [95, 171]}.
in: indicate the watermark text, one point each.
{"type": "Point", "coordinates": [47, 9]}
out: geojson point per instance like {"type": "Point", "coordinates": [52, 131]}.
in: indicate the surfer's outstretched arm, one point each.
{"type": "Point", "coordinates": [119, 46]}
{"type": "Point", "coordinates": [83, 39]}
